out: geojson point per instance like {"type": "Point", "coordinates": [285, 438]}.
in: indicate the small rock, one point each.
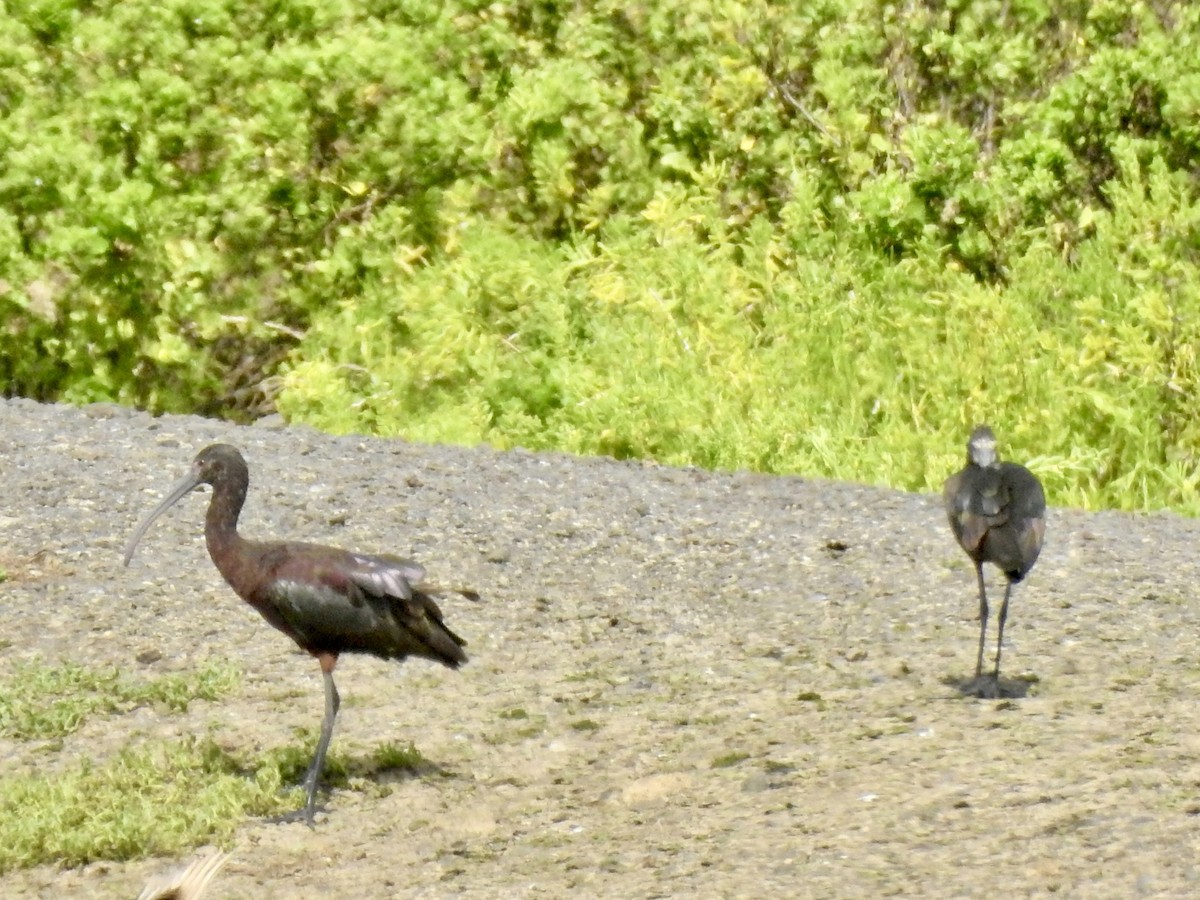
{"type": "Point", "coordinates": [106, 411]}
{"type": "Point", "coordinates": [498, 553]}
{"type": "Point", "coordinates": [654, 790]}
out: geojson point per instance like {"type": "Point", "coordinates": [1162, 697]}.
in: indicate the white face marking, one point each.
{"type": "Point", "coordinates": [983, 451]}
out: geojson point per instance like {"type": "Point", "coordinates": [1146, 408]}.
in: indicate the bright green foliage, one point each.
{"type": "Point", "coordinates": [402, 757]}
{"type": "Point", "coordinates": [824, 237]}
{"type": "Point", "coordinates": [38, 701]}
{"type": "Point", "coordinates": [184, 183]}
{"type": "Point", "coordinates": [158, 799]}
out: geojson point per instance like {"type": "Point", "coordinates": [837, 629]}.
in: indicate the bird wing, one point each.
{"type": "Point", "coordinates": [951, 499]}
{"type": "Point", "coordinates": [1028, 511]}
{"type": "Point", "coordinates": [1030, 538]}
{"type": "Point", "coordinates": [384, 576]}
{"type": "Point", "coordinates": [356, 575]}
{"type": "Point", "coordinates": [971, 530]}
{"type": "Point", "coordinates": [1030, 499]}
{"type": "Point", "coordinates": [975, 501]}
{"type": "Point", "coordinates": [334, 599]}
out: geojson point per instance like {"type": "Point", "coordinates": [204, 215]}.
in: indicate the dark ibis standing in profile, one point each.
{"type": "Point", "coordinates": [998, 513]}
{"type": "Point", "coordinates": [328, 601]}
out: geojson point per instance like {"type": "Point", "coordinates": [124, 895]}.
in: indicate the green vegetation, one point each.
{"type": "Point", "coordinates": [401, 757]}
{"type": "Point", "coordinates": [517, 725]}
{"type": "Point", "coordinates": [823, 238]}
{"type": "Point", "coordinates": [39, 701]}
{"type": "Point", "coordinates": [154, 797]}
{"type": "Point", "coordinates": [725, 760]}
{"type": "Point", "coordinates": [157, 797]}
{"type": "Point", "coordinates": [161, 798]}
{"type": "Point", "coordinates": [341, 770]}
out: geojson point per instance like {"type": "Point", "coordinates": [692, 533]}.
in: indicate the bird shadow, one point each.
{"type": "Point", "coordinates": [988, 687]}
{"type": "Point", "coordinates": [373, 770]}
{"type": "Point", "coordinates": [386, 763]}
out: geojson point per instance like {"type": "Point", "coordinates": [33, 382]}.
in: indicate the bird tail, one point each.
{"type": "Point", "coordinates": [442, 644]}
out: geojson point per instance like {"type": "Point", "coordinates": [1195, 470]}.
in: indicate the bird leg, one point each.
{"type": "Point", "coordinates": [332, 702]}
{"type": "Point", "coordinates": [1000, 636]}
{"type": "Point", "coordinates": [983, 617]}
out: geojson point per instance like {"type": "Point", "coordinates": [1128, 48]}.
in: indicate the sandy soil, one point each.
{"type": "Point", "coordinates": [639, 625]}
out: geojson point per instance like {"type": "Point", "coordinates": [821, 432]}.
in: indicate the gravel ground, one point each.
{"type": "Point", "coordinates": [650, 622]}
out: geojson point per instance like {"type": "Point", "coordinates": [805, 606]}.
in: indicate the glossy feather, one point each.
{"type": "Point", "coordinates": [998, 515]}
{"type": "Point", "coordinates": [188, 883]}
{"type": "Point", "coordinates": [997, 511]}
{"type": "Point", "coordinates": [329, 601]}
{"type": "Point", "coordinates": [334, 601]}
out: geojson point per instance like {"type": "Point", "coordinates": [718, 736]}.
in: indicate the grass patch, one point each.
{"type": "Point", "coordinates": [160, 798]}
{"type": "Point", "coordinates": [291, 761]}
{"type": "Point", "coordinates": [725, 760]}
{"type": "Point", "coordinates": [586, 725]}
{"type": "Point", "coordinates": [586, 675]}
{"type": "Point", "coordinates": [712, 719]}
{"type": "Point", "coordinates": [525, 726]}
{"type": "Point", "coordinates": [38, 701]}
{"type": "Point", "coordinates": [344, 770]}
{"type": "Point", "coordinates": [165, 798]}
{"type": "Point", "coordinates": [404, 757]}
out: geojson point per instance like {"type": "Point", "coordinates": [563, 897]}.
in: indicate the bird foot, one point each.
{"type": "Point", "coordinates": [985, 687]}
{"type": "Point", "coordinates": [993, 687]}
{"type": "Point", "coordinates": [304, 814]}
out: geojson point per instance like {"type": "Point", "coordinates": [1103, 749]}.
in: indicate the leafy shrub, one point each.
{"type": "Point", "coordinates": [823, 238]}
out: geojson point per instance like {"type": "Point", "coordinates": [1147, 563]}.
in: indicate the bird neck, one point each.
{"type": "Point", "coordinates": [226, 547]}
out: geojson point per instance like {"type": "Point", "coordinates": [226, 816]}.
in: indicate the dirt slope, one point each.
{"type": "Point", "coordinates": [640, 625]}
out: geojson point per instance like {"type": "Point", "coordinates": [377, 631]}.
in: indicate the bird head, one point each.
{"type": "Point", "coordinates": [981, 448]}
{"type": "Point", "coordinates": [216, 464]}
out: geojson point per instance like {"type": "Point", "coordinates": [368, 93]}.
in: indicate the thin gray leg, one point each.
{"type": "Point", "coordinates": [1000, 636]}
{"type": "Point", "coordinates": [332, 703]}
{"type": "Point", "coordinates": [983, 617]}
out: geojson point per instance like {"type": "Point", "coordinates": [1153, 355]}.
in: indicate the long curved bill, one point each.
{"type": "Point", "coordinates": [185, 485]}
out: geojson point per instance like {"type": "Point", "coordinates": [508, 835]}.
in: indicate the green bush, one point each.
{"type": "Point", "coordinates": [824, 238]}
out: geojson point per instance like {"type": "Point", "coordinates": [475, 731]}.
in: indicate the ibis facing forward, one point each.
{"type": "Point", "coordinates": [997, 511]}
{"type": "Point", "coordinates": [329, 601]}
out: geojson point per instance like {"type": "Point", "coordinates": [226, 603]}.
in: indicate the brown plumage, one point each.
{"type": "Point", "coordinates": [328, 601]}
{"type": "Point", "coordinates": [997, 511]}
{"type": "Point", "coordinates": [186, 884]}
